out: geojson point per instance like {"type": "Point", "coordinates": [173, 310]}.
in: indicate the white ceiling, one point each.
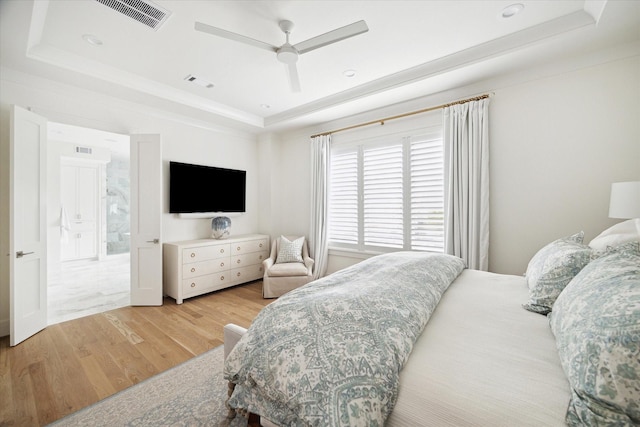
{"type": "Point", "coordinates": [412, 49]}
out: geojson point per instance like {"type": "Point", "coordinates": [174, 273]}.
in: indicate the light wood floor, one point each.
{"type": "Point", "coordinates": [73, 364]}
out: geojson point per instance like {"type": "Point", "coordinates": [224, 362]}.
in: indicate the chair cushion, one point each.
{"type": "Point", "coordinates": [290, 251]}
{"type": "Point", "coordinates": [287, 269]}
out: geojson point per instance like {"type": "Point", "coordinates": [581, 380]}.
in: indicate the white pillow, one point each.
{"type": "Point", "coordinates": [290, 251]}
{"type": "Point", "coordinates": [626, 231]}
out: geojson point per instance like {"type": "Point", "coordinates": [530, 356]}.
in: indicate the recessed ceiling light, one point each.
{"type": "Point", "coordinates": [265, 106]}
{"type": "Point", "coordinates": [91, 39]}
{"type": "Point", "coordinates": [349, 73]}
{"type": "Point", "coordinates": [512, 10]}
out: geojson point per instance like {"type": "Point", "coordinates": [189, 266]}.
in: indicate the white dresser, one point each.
{"type": "Point", "coordinates": [195, 267]}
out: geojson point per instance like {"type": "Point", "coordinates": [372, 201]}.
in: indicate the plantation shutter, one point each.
{"type": "Point", "coordinates": [427, 194]}
{"type": "Point", "coordinates": [383, 196]}
{"type": "Point", "coordinates": [387, 192]}
{"type": "Point", "coordinates": [343, 205]}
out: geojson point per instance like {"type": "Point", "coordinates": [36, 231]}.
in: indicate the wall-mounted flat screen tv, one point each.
{"type": "Point", "coordinates": [201, 189]}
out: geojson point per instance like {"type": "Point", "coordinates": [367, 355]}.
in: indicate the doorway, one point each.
{"type": "Point", "coordinates": [88, 222]}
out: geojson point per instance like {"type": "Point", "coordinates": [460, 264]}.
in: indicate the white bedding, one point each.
{"type": "Point", "coordinates": [483, 360]}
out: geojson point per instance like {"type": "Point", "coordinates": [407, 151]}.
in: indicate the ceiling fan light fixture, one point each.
{"type": "Point", "coordinates": [511, 10]}
{"type": "Point", "coordinates": [287, 54]}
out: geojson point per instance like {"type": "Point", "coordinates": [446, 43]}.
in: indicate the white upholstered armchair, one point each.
{"type": "Point", "coordinates": [288, 266]}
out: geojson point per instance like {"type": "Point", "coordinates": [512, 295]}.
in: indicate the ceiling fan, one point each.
{"type": "Point", "coordinates": [288, 53]}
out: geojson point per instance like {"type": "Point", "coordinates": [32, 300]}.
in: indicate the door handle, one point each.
{"type": "Point", "coordinates": [20, 254]}
{"type": "Point", "coordinates": [156, 241]}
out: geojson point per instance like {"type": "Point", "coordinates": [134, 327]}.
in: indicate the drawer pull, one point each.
{"type": "Point", "coordinates": [193, 269]}
{"type": "Point", "coordinates": [238, 274]}
{"type": "Point", "coordinates": [221, 277]}
{"type": "Point", "coordinates": [260, 257]}
{"type": "Point", "coordinates": [238, 262]}
{"type": "Point", "coordinates": [193, 285]}
{"type": "Point", "coordinates": [260, 245]}
{"type": "Point", "coordinates": [238, 248]}
{"type": "Point", "coordinates": [222, 250]}
{"type": "Point", "coordinates": [222, 264]}
{"type": "Point", "coordinates": [193, 254]}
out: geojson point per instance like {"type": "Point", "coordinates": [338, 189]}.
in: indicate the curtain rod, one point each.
{"type": "Point", "coordinates": [399, 116]}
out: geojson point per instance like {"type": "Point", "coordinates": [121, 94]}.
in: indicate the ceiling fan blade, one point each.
{"type": "Point", "coordinates": [294, 79]}
{"type": "Point", "coordinates": [332, 36]}
{"type": "Point", "coordinates": [199, 26]}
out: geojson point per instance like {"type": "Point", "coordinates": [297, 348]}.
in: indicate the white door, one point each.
{"type": "Point", "coordinates": [27, 224]}
{"type": "Point", "coordinates": [146, 220]}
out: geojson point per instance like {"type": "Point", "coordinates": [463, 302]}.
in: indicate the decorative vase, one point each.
{"type": "Point", "coordinates": [220, 226]}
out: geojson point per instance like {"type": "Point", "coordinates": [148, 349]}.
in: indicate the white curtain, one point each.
{"type": "Point", "coordinates": [320, 161]}
{"type": "Point", "coordinates": [466, 150]}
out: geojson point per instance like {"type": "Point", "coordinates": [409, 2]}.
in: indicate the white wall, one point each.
{"type": "Point", "coordinates": [268, 154]}
{"type": "Point", "coordinates": [183, 140]}
{"type": "Point", "coordinates": [291, 187]}
{"type": "Point", "coordinates": [557, 144]}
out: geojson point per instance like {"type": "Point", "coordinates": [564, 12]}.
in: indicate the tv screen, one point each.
{"type": "Point", "coordinates": [198, 189]}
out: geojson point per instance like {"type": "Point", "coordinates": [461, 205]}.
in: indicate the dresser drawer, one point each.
{"type": "Point", "coordinates": [202, 268]}
{"type": "Point", "coordinates": [210, 282]}
{"type": "Point", "coordinates": [204, 253]}
{"type": "Point", "coordinates": [246, 274]}
{"type": "Point", "coordinates": [249, 259]}
{"type": "Point", "coordinates": [249, 246]}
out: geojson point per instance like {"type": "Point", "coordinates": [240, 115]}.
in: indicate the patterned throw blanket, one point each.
{"type": "Point", "coordinates": [330, 353]}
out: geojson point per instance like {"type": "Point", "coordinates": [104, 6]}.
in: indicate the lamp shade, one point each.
{"type": "Point", "coordinates": [625, 200]}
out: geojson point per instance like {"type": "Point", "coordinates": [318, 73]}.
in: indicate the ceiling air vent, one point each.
{"type": "Point", "coordinates": [146, 12]}
{"type": "Point", "coordinates": [199, 81]}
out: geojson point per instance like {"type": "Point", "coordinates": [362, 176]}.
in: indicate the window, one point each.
{"type": "Point", "coordinates": [387, 193]}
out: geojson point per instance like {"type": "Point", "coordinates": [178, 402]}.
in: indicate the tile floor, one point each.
{"type": "Point", "coordinates": [87, 287]}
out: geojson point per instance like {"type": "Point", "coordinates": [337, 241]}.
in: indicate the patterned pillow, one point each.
{"type": "Point", "coordinates": [552, 268]}
{"type": "Point", "coordinates": [290, 251]}
{"type": "Point", "coordinates": [596, 321]}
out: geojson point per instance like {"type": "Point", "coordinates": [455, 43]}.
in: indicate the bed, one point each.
{"type": "Point", "coordinates": [495, 350]}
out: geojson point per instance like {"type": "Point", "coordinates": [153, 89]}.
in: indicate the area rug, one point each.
{"type": "Point", "coordinates": [190, 394]}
